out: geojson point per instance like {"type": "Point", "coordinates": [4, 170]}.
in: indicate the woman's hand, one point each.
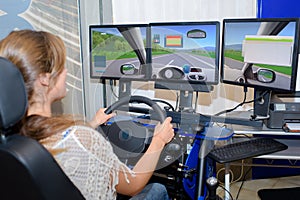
{"type": "Point", "coordinates": [100, 118]}
{"type": "Point", "coordinates": [164, 132]}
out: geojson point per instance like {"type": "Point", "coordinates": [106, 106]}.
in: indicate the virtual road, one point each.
{"type": "Point", "coordinates": [180, 59]}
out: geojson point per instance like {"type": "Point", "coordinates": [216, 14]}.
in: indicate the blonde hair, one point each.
{"type": "Point", "coordinates": [35, 53]}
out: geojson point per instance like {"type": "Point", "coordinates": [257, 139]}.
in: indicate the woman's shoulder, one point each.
{"type": "Point", "coordinates": [80, 133]}
{"type": "Point", "coordinates": [87, 136]}
{"type": "Point", "coordinates": [83, 130]}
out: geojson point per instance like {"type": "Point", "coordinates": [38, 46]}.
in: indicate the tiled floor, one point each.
{"type": "Point", "coordinates": [250, 188]}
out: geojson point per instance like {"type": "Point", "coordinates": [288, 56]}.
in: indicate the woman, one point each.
{"type": "Point", "coordinates": [84, 155]}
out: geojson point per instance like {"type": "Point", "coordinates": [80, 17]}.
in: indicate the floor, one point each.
{"type": "Point", "coordinates": [250, 187]}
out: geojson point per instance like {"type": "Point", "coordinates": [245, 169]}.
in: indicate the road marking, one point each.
{"type": "Point", "coordinates": [209, 64]}
{"type": "Point", "coordinates": [170, 62]}
{"type": "Point", "coordinates": [160, 56]}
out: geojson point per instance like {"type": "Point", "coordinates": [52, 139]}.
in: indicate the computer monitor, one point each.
{"type": "Point", "coordinates": [118, 51]}
{"type": "Point", "coordinates": [185, 55]}
{"type": "Point", "coordinates": [260, 53]}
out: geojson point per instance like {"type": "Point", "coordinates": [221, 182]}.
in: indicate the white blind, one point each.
{"type": "Point", "coordinates": [144, 11]}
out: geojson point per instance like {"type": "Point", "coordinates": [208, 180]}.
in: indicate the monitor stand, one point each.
{"type": "Point", "coordinates": [124, 88]}
{"type": "Point", "coordinates": [188, 113]}
{"type": "Point", "coordinates": [186, 98]}
{"type": "Point", "coordinates": [262, 104]}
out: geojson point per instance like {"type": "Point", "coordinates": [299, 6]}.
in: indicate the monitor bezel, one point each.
{"type": "Point", "coordinates": [294, 61]}
{"type": "Point", "coordinates": [131, 78]}
{"type": "Point", "coordinates": [188, 85]}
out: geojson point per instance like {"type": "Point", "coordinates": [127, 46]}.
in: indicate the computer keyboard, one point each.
{"type": "Point", "coordinates": [245, 149]}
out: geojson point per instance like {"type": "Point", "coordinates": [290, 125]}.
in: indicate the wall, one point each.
{"type": "Point", "coordinates": [61, 18]}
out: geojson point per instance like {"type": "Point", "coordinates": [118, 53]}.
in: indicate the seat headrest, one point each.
{"type": "Point", "coordinates": [13, 96]}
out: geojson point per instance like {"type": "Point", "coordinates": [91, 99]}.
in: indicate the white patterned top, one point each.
{"type": "Point", "coordinates": [88, 160]}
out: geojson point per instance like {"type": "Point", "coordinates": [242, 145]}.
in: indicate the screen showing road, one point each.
{"type": "Point", "coordinates": [185, 53]}
{"type": "Point", "coordinates": [118, 51]}
{"type": "Point", "coordinates": [260, 53]}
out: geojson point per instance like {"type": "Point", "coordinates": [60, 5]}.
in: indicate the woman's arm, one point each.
{"type": "Point", "coordinates": [144, 168]}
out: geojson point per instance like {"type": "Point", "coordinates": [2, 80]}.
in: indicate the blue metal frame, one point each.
{"type": "Point", "coordinates": [201, 167]}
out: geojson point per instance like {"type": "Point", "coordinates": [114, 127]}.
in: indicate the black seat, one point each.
{"type": "Point", "coordinates": [27, 169]}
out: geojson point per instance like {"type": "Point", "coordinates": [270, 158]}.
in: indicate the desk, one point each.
{"type": "Point", "coordinates": [292, 153]}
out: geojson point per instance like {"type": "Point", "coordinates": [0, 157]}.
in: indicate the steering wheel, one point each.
{"type": "Point", "coordinates": [128, 138]}
{"type": "Point", "coordinates": [137, 99]}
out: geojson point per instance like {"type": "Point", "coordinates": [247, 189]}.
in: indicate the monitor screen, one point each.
{"type": "Point", "coordinates": [260, 53]}
{"type": "Point", "coordinates": [118, 51]}
{"type": "Point", "coordinates": [185, 54]}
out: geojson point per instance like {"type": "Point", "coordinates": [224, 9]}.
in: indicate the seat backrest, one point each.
{"type": "Point", "coordinates": [27, 169]}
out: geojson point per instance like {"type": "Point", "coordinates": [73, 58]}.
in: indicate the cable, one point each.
{"type": "Point", "coordinates": [241, 174]}
{"type": "Point", "coordinates": [242, 134]}
{"type": "Point", "coordinates": [104, 96]}
{"type": "Point", "coordinates": [223, 169]}
{"type": "Point", "coordinates": [240, 104]}
{"type": "Point", "coordinates": [231, 174]}
{"type": "Point", "coordinates": [258, 118]}
{"type": "Point", "coordinates": [196, 102]}
{"type": "Point", "coordinates": [226, 191]}
{"type": "Point", "coordinates": [238, 193]}
{"type": "Point", "coordinates": [259, 97]}
{"type": "Point", "coordinates": [177, 101]}
{"type": "Point", "coordinates": [112, 89]}
{"type": "Point", "coordinates": [243, 102]}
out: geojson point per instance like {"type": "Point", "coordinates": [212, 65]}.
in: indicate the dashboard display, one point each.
{"type": "Point", "coordinates": [186, 53]}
